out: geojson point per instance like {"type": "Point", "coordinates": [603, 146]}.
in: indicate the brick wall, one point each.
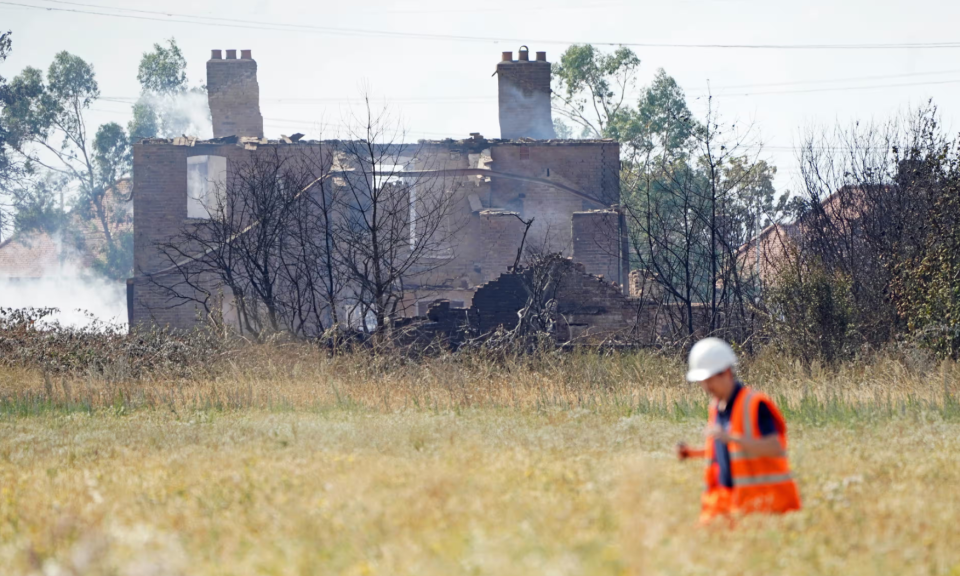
{"type": "Point", "coordinates": [160, 200]}
{"type": "Point", "coordinates": [486, 238]}
{"type": "Point", "coordinates": [596, 243]}
{"type": "Point", "coordinates": [592, 167]}
{"type": "Point", "coordinates": [234, 95]}
{"type": "Point", "coordinates": [160, 214]}
{"type": "Point", "coordinates": [496, 304]}
{"type": "Point", "coordinates": [591, 309]}
{"type": "Point", "coordinates": [485, 241]}
{"type": "Point", "coordinates": [524, 97]}
{"type": "Point", "coordinates": [501, 233]}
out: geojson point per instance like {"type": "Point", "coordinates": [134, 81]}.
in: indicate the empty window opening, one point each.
{"type": "Point", "coordinates": [360, 316]}
{"type": "Point", "coordinates": [206, 185]}
{"type": "Point", "coordinates": [388, 174]}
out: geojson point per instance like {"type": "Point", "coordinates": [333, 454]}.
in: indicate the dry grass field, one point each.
{"type": "Point", "coordinates": [288, 462]}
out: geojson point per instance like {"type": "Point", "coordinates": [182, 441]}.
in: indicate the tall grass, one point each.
{"type": "Point", "coordinates": [298, 377]}
{"type": "Point", "coordinates": [282, 459]}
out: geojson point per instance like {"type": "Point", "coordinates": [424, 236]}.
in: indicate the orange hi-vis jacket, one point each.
{"type": "Point", "coordinates": [760, 484]}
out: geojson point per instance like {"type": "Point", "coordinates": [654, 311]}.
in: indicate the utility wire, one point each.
{"type": "Point", "coordinates": [334, 99]}
{"type": "Point", "coordinates": [828, 81]}
{"type": "Point", "coordinates": [258, 25]}
{"type": "Point", "coordinates": [838, 89]}
{"type": "Point", "coordinates": [304, 124]}
{"type": "Point", "coordinates": [697, 92]}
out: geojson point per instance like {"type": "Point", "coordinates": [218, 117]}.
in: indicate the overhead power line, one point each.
{"type": "Point", "coordinates": [334, 99]}
{"type": "Point", "coordinates": [305, 124]}
{"type": "Point", "coordinates": [719, 91]}
{"type": "Point", "coordinates": [152, 15]}
{"type": "Point", "coordinates": [827, 81]}
{"type": "Point", "coordinates": [837, 89]}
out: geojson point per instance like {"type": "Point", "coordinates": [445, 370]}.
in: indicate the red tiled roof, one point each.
{"type": "Point", "coordinates": [29, 256]}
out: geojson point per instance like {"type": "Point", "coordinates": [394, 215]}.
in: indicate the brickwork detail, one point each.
{"type": "Point", "coordinates": [596, 243]}
{"type": "Point", "coordinates": [594, 309]}
{"type": "Point", "coordinates": [234, 97]}
{"type": "Point", "coordinates": [495, 304]}
{"type": "Point", "coordinates": [582, 165]}
{"type": "Point", "coordinates": [525, 100]}
{"type": "Point", "coordinates": [501, 233]}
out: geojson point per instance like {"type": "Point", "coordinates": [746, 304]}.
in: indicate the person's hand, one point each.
{"type": "Point", "coordinates": [683, 451]}
{"type": "Point", "coordinates": [717, 432]}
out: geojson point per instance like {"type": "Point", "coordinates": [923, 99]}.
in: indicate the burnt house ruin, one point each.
{"type": "Point", "coordinates": [570, 190]}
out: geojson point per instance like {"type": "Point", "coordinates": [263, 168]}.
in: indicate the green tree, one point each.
{"type": "Point", "coordinates": [925, 286]}
{"type": "Point", "coordinates": [112, 152]}
{"type": "Point", "coordinates": [598, 92]}
{"type": "Point", "coordinates": [48, 129]}
{"type": "Point", "coordinates": [693, 190]}
{"type": "Point", "coordinates": [8, 167]}
{"type": "Point", "coordinates": [562, 129]}
{"type": "Point", "coordinates": [754, 203]}
{"type": "Point", "coordinates": [145, 123]}
{"type": "Point", "coordinates": [662, 121]}
{"type": "Point", "coordinates": [594, 88]}
{"type": "Point", "coordinates": [811, 313]}
{"type": "Point", "coordinates": [166, 107]}
{"type": "Point", "coordinates": [39, 205]}
{"type": "Point", "coordinates": [5, 46]}
{"type": "Point", "coordinates": [163, 71]}
{"type": "Point", "coordinates": [657, 137]}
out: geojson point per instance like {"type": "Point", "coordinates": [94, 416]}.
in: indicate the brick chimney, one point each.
{"type": "Point", "coordinates": [234, 94]}
{"type": "Point", "coordinates": [525, 96]}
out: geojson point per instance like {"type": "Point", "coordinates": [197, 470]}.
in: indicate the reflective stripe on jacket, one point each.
{"type": "Point", "coordinates": [760, 484]}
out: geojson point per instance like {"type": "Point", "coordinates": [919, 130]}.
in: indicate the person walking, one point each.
{"type": "Point", "coordinates": [746, 449]}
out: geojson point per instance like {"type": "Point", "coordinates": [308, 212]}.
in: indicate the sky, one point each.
{"type": "Point", "coordinates": [430, 62]}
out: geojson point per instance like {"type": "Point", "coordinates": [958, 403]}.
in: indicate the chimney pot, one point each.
{"type": "Point", "coordinates": [541, 56]}
{"type": "Point", "coordinates": [246, 54]}
{"type": "Point", "coordinates": [524, 54]}
{"type": "Point", "coordinates": [216, 55]}
{"type": "Point", "coordinates": [506, 57]}
{"type": "Point", "coordinates": [231, 54]}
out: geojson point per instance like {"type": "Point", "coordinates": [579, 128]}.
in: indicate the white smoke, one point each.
{"type": "Point", "coordinates": [83, 300]}
{"type": "Point", "coordinates": [184, 113]}
{"type": "Point", "coordinates": [529, 113]}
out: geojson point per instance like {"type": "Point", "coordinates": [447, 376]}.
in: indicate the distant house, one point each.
{"type": "Point", "coordinates": [29, 257]}
{"type": "Point", "coordinates": [60, 270]}
{"type": "Point", "coordinates": [568, 189]}
{"type": "Point", "coordinates": [764, 255]}
{"type": "Point", "coordinates": [839, 214]}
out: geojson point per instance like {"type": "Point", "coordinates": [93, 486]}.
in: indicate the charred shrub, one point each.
{"type": "Point", "coordinates": [811, 314]}
{"type": "Point", "coordinates": [30, 339]}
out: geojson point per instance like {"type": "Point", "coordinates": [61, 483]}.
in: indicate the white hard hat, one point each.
{"type": "Point", "coordinates": [708, 357]}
